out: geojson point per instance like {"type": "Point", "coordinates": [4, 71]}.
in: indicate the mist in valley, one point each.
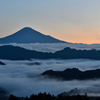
{"type": "Point", "coordinates": [53, 47]}
{"type": "Point", "coordinates": [21, 78]}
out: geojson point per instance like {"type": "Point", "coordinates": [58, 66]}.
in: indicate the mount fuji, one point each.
{"type": "Point", "coordinates": [29, 35]}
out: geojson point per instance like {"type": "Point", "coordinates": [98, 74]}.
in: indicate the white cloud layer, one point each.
{"type": "Point", "coordinates": [53, 47]}
{"type": "Point", "coordinates": [19, 78]}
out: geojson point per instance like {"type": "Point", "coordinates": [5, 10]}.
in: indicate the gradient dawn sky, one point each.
{"type": "Point", "coordinates": [76, 21]}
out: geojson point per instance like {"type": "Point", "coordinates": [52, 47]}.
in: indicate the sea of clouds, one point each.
{"type": "Point", "coordinates": [21, 78]}
{"type": "Point", "coordinates": [53, 47]}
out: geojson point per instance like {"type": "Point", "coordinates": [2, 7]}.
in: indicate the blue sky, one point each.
{"type": "Point", "coordinates": [75, 21]}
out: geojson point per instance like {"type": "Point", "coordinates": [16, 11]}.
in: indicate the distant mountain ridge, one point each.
{"type": "Point", "coordinates": [17, 53]}
{"type": "Point", "coordinates": [29, 35]}
{"type": "Point", "coordinates": [71, 74]}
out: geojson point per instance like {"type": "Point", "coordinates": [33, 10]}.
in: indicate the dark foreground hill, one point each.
{"type": "Point", "coordinates": [44, 96]}
{"type": "Point", "coordinates": [71, 74]}
{"type": "Point", "coordinates": [17, 53]}
{"type": "Point", "coordinates": [29, 35]}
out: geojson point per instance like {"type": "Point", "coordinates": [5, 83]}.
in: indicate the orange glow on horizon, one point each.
{"type": "Point", "coordinates": [84, 42]}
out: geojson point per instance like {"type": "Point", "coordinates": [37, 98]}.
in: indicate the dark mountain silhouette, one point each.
{"type": "Point", "coordinates": [45, 96]}
{"type": "Point", "coordinates": [17, 53]}
{"type": "Point", "coordinates": [68, 53]}
{"type": "Point", "coordinates": [29, 35]}
{"type": "Point", "coordinates": [1, 63]}
{"type": "Point", "coordinates": [74, 73]}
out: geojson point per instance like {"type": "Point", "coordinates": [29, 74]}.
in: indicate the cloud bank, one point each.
{"type": "Point", "coordinates": [53, 47]}
{"type": "Point", "coordinates": [20, 78]}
